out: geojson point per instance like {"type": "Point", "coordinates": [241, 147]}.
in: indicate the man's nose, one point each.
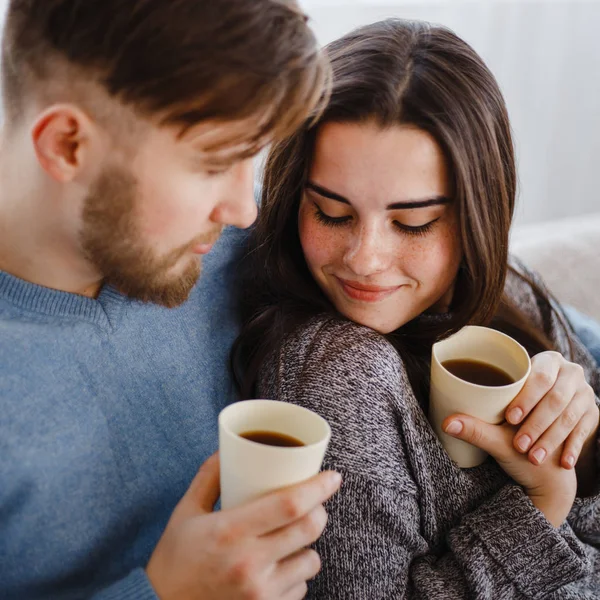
{"type": "Point", "coordinates": [238, 206]}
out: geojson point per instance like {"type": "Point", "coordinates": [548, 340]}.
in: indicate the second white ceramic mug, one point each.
{"type": "Point", "coordinates": [451, 395]}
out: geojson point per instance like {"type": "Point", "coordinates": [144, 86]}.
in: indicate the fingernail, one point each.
{"type": "Point", "coordinates": [336, 479]}
{"type": "Point", "coordinates": [524, 442]}
{"type": "Point", "coordinates": [539, 455]}
{"type": "Point", "coordinates": [515, 415]}
{"type": "Point", "coordinates": [454, 427]}
{"type": "Point", "coordinates": [570, 460]}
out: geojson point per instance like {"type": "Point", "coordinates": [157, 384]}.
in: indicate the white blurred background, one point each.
{"type": "Point", "coordinates": [546, 57]}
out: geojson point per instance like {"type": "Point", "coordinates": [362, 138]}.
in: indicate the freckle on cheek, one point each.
{"type": "Point", "coordinates": [316, 243]}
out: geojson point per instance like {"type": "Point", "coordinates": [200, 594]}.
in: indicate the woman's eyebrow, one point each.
{"type": "Point", "coordinates": [322, 191]}
{"type": "Point", "coordinates": [420, 203]}
{"type": "Point", "coordinates": [326, 193]}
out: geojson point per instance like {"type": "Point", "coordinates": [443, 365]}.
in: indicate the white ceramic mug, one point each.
{"type": "Point", "coordinates": [450, 395]}
{"type": "Point", "coordinates": [250, 469]}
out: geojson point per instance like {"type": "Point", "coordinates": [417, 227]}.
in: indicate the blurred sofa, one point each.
{"type": "Point", "coordinates": [566, 252]}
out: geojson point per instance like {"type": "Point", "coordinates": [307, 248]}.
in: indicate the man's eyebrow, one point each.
{"type": "Point", "coordinates": [226, 160]}
{"type": "Point", "coordinates": [225, 154]}
{"type": "Point", "coordinates": [219, 162]}
{"type": "Point", "coordinates": [322, 191]}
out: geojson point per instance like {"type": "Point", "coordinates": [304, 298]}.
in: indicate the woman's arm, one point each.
{"type": "Point", "coordinates": [375, 545]}
{"type": "Point", "coordinates": [558, 415]}
{"type": "Point", "coordinates": [373, 548]}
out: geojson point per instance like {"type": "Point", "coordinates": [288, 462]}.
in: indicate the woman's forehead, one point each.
{"type": "Point", "coordinates": [392, 164]}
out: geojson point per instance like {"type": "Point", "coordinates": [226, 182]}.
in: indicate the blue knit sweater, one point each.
{"type": "Point", "coordinates": [107, 409]}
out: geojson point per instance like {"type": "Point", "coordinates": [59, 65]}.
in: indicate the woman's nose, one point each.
{"type": "Point", "coordinates": [367, 254]}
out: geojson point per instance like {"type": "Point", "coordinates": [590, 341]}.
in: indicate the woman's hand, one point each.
{"type": "Point", "coordinates": [555, 406]}
{"type": "Point", "coordinates": [550, 487]}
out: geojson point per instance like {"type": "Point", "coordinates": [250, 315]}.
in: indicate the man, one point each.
{"type": "Point", "coordinates": [126, 149]}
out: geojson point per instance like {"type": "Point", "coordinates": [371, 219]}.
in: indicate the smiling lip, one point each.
{"type": "Point", "coordinates": [366, 293]}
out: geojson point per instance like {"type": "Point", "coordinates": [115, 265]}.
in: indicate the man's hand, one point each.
{"type": "Point", "coordinates": [255, 551]}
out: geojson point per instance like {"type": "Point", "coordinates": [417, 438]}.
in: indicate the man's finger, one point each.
{"type": "Point", "coordinates": [292, 574]}
{"type": "Point", "coordinates": [278, 509]}
{"type": "Point", "coordinates": [489, 438]}
{"type": "Point", "coordinates": [289, 540]}
{"type": "Point", "coordinates": [298, 593]}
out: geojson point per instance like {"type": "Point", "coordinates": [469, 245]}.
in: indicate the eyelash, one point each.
{"type": "Point", "coordinates": [340, 221]}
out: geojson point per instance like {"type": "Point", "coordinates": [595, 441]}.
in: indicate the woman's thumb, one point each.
{"type": "Point", "coordinates": [473, 431]}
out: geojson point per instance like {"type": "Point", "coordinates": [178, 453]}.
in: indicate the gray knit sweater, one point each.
{"type": "Point", "coordinates": [407, 522]}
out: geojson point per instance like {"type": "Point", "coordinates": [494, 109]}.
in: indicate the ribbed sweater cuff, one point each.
{"type": "Point", "coordinates": [536, 556]}
{"type": "Point", "coordinates": [135, 586]}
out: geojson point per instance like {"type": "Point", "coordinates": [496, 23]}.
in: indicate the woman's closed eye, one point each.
{"type": "Point", "coordinates": [416, 229]}
{"type": "Point", "coordinates": [330, 221]}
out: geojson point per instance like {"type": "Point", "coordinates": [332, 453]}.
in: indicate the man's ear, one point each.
{"type": "Point", "coordinates": [62, 137]}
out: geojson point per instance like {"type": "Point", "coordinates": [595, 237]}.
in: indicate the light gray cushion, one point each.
{"type": "Point", "coordinates": [566, 253]}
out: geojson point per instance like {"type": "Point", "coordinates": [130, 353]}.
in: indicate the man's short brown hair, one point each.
{"type": "Point", "coordinates": [178, 61]}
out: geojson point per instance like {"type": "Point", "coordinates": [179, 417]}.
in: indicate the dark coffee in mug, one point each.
{"type": "Point", "coordinates": [477, 372]}
{"type": "Point", "coordinates": [272, 438]}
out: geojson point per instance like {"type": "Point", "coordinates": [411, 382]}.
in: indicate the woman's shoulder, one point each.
{"type": "Point", "coordinates": [337, 367]}
{"type": "Point", "coordinates": [342, 348]}
{"type": "Point", "coordinates": [527, 290]}
{"type": "Point", "coordinates": [523, 287]}
{"type": "Point", "coordinates": [355, 379]}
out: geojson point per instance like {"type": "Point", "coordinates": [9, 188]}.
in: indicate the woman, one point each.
{"type": "Point", "coordinates": [384, 228]}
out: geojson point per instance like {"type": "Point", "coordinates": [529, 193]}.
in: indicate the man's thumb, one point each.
{"type": "Point", "coordinates": [203, 492]}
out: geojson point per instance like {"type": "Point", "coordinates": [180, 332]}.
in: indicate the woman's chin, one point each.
{"type": "Point", "coordinates": [378, 323]}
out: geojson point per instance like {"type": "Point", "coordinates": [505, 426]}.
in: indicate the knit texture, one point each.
{"type": "Point", "coordinates": [408, 523]}
{"type": "Point", "coordinates": [108, 407]}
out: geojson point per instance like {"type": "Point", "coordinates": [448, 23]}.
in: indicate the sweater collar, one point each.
{"type": "Point", "coordinates": [33, 298]}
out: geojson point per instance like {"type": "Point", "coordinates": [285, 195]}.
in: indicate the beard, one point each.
{"type": "Point", "coordinates": [112, 243]}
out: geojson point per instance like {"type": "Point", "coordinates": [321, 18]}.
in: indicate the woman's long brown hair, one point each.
{"type": "Point", "coordinates": [395, 72]}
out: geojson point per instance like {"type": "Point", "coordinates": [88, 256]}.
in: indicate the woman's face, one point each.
{"type": "Point", "coordinates": [377, 223]}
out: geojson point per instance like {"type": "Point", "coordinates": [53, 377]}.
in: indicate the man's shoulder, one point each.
{"type": "Point", "coordinates": [18, 327]}
{"type": "Point", "coordinates": [232, 246]}
{"type": "Point", "coordinates": [221, 273]}
{"type": "Point", "coordinates": [28, 355]}
{"type": "Point", "coordinates": [215, 301]}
